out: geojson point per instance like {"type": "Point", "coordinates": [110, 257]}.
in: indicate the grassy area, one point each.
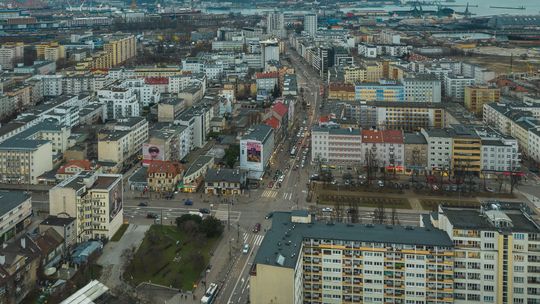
{"type": "Point", "coordinates": [431, 204]}
{"type": "Point", "coordinates": [170, 257]}
{"type": "Point", "coordinates": [330, 198]}
{"type": "Point", "coordinates": [118, 235]}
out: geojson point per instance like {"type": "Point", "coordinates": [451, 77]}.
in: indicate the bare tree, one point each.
{"type": "Point", "coordinates": [379, 215]}
{"type": "Point", "coordinates": [394, 217]}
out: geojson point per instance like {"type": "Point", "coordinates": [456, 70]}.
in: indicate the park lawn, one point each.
{"type": "Point", "coordinates": [360, 200]}
{"type": "Point", "coordinates": [156, 262]}
{"type": "Point", "coordinates": [118, 235]}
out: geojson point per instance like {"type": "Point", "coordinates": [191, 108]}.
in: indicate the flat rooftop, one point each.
{"type": "Point", "coordinates": [285, 237]}
{"type": "Point", "coordinates": [10, 200]}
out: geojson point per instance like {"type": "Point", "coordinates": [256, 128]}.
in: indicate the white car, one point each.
{"type": "Point", "coordinates": [327, 209]}
{"type": "Point", "coordinates": [245, 250]}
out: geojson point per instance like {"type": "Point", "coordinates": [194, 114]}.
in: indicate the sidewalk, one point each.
{"type": "Point", "coordinates": [221, 264]}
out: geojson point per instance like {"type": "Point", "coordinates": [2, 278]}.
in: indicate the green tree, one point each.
{"type": "Point", "coordinates": [276, 93]}
{"type": "Point", "coordinates": [212, 227]}
{"type": "Point", "coordinates": [231, 155]}
{"type": "Point", "coordinates": [186, 218]}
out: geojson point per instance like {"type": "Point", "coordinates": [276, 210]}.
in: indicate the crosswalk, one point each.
{"type": "Point", "coordinates": [287, 196]}
{"type": "Point", "coordinates": [254, 239]}
{"type": "Point", "coordinates": [269, 193]}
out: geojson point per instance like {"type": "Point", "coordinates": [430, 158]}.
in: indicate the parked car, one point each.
{"type": "Point", "coordinates": [270, 184]}
{"type": "Point", "coordinates": [245, 250]}
{"type": "Point", "coordinates": [143, 204]}
{"type": "Point", "coordinates": [204, 210]}
{"type": "Point", "coordinates": [269, 215]}
{"type": "Point", "coordinates": [327, 209]}
{"type": "Point", "coordinates": [151, 215]}
{"type": "Point", "coordinates": [257, 228]}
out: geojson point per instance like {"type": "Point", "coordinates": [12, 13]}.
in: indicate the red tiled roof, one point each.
{"type": "Point", "coordinates": [272, 122]}
{"type": "Point", "coordinates": [324, 118]}
{"type": "Point", "coordinates": [280, 109]}
{"type": "Point", "coordinates": [83, 164]}
{"type": "Point", "coordinates": [384, 136]}
{"type": "Point", "coordinates": [164, 166]}
{"type": "Point", "coordinates": [267, 75]}
{"type": "Point", "coordinates": [156, 80]}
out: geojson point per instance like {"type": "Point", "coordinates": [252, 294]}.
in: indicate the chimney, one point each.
{"type": "Point", "coordinates": [23, 242]}
{"type": "Point", "coordinates": [2, 259]}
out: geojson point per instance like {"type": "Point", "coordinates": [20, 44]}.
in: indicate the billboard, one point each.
{"type": "Point", "coordinates": [152, 152]}
{"type": "Point", "coordinates": [254, 152]}
{"type": "Point", "coordinates": [115, 200]}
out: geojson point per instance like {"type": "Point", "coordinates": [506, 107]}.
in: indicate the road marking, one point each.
{"type": "Point", "coordinates": [258, 240]}
{"type": "Point", "coordinates": [241, 273]}
{"type": "Point", "coordinates": [269, 193]}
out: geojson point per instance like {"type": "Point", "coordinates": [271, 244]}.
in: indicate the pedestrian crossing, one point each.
{"type": "Point", "coordinates": [255, 239]}
{"type": "Point", "coordinates": [287, 196]}
{"type": "Point", "coordinates": [269, 193]}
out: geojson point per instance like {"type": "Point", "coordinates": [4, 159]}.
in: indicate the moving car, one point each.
{"type": "Point", "coordinates": [269, 215]}
{"type": "Point", "coordinates": [257, 228]}
{"type": "Point", "coordinates": [204, 210]}
{"type": "Point", "coordinates": [151, 215]}
{"type": "Point", "coordinates": [188, 202]}
{"type": "Point", "coordinates": [245, 250]}
{"type": "Point", "coordinates": [327, 209]}
{"type": "Point", "coordinates": [143, 204]}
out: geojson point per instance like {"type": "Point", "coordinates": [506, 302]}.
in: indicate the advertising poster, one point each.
{"type": "Point", "coordinates": [152, 152]}
{"type": "Point", "coordinates": [254, 152]}
{"type": "Point", "coordinates": [115, 200]}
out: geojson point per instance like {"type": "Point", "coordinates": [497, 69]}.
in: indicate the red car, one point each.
{"type": "Point", "coordinates": [270, 184]}
{"type": "Point", "coordinates": [257, 228]}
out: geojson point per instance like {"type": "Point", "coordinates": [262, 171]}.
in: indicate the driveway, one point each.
{"type": "Point", "coordinates": [114, 257]}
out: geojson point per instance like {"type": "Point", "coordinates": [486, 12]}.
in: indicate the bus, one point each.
{"type": "Point", "coordinates": [293, 151]}
{"type": "Point", "coordinates": [210, 294]}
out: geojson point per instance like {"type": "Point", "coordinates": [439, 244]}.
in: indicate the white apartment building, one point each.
{"type": "Point", "coordinates": [275, 24]}
{"type": "Point", "coordinates": [178, 83]}
{"type": "Point", "coordinates": [197, 120]}
{"type": "Point", "coordinates": [384, 149]}
{"type": "Point", "coordinates": [480, 74]}
{"type": "Point", "coordinates": [310, 24]}
{"type": "Point", "coordinates": [119, 102]}
{"type": "Point", "coordinates": [95, 200]}
{"type": "Point", "coordinates": [496, 250]}
{"type": "Point", "coordinates": [193, 65]}
{"type": "Point", "coordinates": [7, 58]}
{"type": "Point", "coordinates": [500, 153]}
{"type": "Point", "coordinates": [269, 52]}
{"type": "Point", "coordinates": [52, 85]}
{"type": "Point", "coordinates": [146, 94]}
{"type": "Point", "coordinates": [367, 50]}
{"type": "Point", "coordinates": [439, 148]}
{"type": "Point", "coordinates": [336, 145]}
{"type": "Point", "coordinates": [454, 86]}
{"type": "Point", "coordinates": [422, 88]}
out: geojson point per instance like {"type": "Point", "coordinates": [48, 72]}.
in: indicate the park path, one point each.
{"type": "Point", "coordinates": [113, 258]}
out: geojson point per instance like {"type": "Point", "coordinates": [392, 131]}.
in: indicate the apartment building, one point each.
{"type": "Point", "coordinates": [466, 150]}
{"type": "Point", "coordinates": [353, 74]}
{"type": "Point", "coordinates": [439, 154]}
{"type": "Point", "coordinates": [10, 54]}
{"type": "Point", "coordinates": [119, 102]}
{"type": "Point", "coordinates": [146, 94]}
{"type": "Point", "coordinates": [304, 261]}
{"type": "Point", "coordinates": [173, 141]}
{"type": "Point", "coordinates": [16, 213]}
{"type": "Point", "coordinates": [415, 153]}
{"type": "Point", "coordinates": [476, 96]}
{"type": "Point", "coordinates": [310, 24]}
{"type": "Point", "coordinates": [454, 86]}
{"type": "Point", "coordinates": [334, 145]}
{"type": "Point", "coordinates": [422, 88]}
{"type": "Point", "coordinates": [94, 200]}
{"type": "Point", "coordinates": [197, 120]}
{"type": "Point", "coordinates": [121, 48]}
{"type": "Point", "coordinates": [500, 152]}
{"type": "Point", "coordinates": [384, 149]}
{"type": "Point", "coordinates": [122, 142]}
{"type": "Point", "coordinates": [341, 91]}
{"type": "Point", "coordinates": [256, 149]}
{"type": "Point", "coordinates": [497, 252]}
{"type": "Point", "coordinates": [381, 91]}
